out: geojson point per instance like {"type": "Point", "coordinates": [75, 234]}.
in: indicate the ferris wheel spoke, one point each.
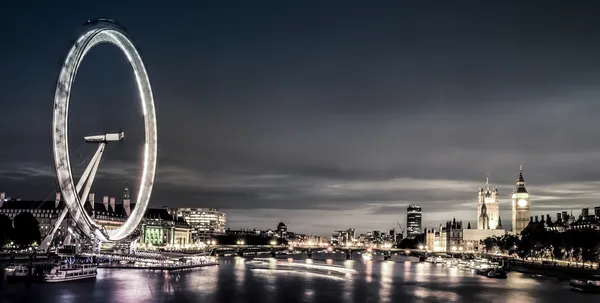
{"type": "Point", "coordinates": [92, 175]}
{"type": "Point", "coordinates": [90, 169]}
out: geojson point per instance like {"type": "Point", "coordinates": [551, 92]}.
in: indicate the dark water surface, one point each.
{"type": "Point", "coordinates": [234, 281]}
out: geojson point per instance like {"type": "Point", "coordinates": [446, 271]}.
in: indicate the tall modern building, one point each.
{"type": "Point", "coordinates": [520, 205]}
{"type": "Point", "coordinates": [413, 221]}
{"type": "Point", "coordinates": [488, 213]}
{"type": "Point", "coordinates": [206, 222]}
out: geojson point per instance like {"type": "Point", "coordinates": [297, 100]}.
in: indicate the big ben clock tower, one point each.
{"type": "Point", "coordinates": [520, 205]}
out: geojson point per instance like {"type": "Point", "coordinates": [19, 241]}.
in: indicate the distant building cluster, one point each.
{"type": "Point", "coordinates": [281, 232]}
{"type": "Point", "coordinates": [372, 238]}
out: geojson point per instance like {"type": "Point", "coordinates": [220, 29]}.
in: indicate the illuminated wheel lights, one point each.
{"type": "Point", "coordinates": [96, 32]}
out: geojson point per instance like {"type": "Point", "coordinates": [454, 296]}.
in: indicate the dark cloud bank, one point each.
{"type": "Point", "coordinates": [324, 116]}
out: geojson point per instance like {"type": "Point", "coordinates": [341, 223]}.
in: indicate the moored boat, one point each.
{"type": "Point", "coordinates": [483, 271]}
{"type": "Point", "coordinates": [17, 272]}
{"type": "Point", "coordinates": [71, 272]}
{"type": "Point", "coordinates": [497, 273]}
{"type": "Point", "coordinates": [585, 285]}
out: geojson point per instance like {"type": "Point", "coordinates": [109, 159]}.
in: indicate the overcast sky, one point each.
{"type": "Point", "coordinates": [325, 116]}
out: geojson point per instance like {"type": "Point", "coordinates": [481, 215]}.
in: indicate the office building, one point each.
{"type": "Point", "coordinates": [205, 222]}
{"type": "Point", "coordinates": [413, 221]}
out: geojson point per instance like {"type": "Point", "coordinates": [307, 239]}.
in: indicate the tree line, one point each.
{"type": "Point", "coordinates": [537, 242]}
{"type": "Point", "coordinates": [22, 231]}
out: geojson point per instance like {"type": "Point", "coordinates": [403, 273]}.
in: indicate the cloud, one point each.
{"type": "Point", "coordinates": [24, 171]}
{"type": "Point", "coordinates": [369, 201]}
{"type": "Point", "coordinates": [300, 122]}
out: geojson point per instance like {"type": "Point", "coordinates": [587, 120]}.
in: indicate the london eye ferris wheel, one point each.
{"type": "Point", "coordinates": [74, 195]}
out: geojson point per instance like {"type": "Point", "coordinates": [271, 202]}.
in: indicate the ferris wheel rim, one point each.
{"type": "Point", "coordinates": [97, 32]}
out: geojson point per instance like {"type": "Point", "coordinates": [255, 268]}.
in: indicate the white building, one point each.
{"type": "Point", "coordinates": [206, 222]}
{"type": "Point", "coordinates": [488, 212]}
{"type": "Point", "coordinates": [471, 237]}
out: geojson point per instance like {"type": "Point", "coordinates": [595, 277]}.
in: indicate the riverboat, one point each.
{"type": "Point", "coordinates": [71, 272]}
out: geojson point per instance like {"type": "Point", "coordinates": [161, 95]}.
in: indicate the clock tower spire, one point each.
{"type": "Point", "coordinates": [520, 205]}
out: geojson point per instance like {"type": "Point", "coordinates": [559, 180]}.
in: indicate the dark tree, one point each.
{"type": "Point", "coordinates": [412, 243]}
{"type": "Point", "coordinates": [6, 230]}
{"type": "Point", "coordinates": [27, 229]}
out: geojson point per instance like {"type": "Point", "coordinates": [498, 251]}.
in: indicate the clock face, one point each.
{"type": "Point", "coordinates": [522, 203]}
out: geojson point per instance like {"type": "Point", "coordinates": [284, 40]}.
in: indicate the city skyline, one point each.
{"type": "Point", "coordinates": [281, 114]}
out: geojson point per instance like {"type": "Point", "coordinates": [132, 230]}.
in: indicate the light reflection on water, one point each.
{"type": "Point", "coordinates": [235, 281]}
{"type": "Point", "coordinates": [387, 274]}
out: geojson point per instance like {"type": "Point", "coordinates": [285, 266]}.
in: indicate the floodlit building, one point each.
{"type": "Point", "coordinates": [454, 238]}
{"type": "Point", "coordinates": [343, 237]}
{"type": "Point", "coordinates": [471, 238]}
{"type": "Point", "coordinates": [206, 222]}
{"type": "Point", "coordinates": [159, 228]}
{"type": "Point", "coordinates": [488, 213]}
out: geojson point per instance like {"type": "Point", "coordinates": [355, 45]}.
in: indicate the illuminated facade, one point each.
{"type": "Point", "coordinates": [437, 241]}
{"type": "Point", "coordinates": [471, 238]}
{"type": "Point", "coordinates": [520, 205]}
{"type": "Point", "coordinates": [206, 222]}
{"type": "Point", "coordinates": [161, 229]}
{"type": "Point", "coordinates": [488, 213]}
{"type": "Point", "coordinates": [454, 238]}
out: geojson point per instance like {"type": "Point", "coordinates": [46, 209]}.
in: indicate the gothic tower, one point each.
{"type": "Point", "coordinates": [126, 191]}
{"type": "Point", "coordinates": [520, 205]}
{"type": "Point", "coordinates": [126, 200]}
{"type": "Point", "coordinates": [483, 222]}
{"type": "Point", "coordinates": [489, 198]}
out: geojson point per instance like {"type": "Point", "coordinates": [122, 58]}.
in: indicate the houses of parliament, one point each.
{"type": "Point", "coordinates": [488, 210]}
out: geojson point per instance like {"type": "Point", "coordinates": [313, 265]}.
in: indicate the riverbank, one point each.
{"type": "Point", "coordinates": [557, 271]}
{"type": "Point", "coordinates": [159, 267]}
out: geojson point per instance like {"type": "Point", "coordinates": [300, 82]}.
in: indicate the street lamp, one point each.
{"type": "Point", "coordinates": [420, 247]}
{"type": "Point", "coordinates": [273, 242]}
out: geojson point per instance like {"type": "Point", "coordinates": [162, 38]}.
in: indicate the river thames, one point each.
{"type": "Point", "coordinates": [235, 281]}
